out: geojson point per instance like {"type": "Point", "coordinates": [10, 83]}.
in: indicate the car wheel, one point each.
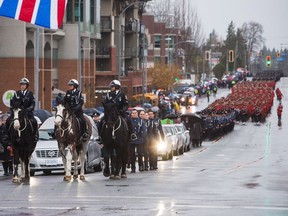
{"type": "Point", "coordinates": [47, 172]}
{"type": "Point", "coordinates": [32, 173]}
{"type": "Point", "coordinates": [99, 167]}
{"type": "Point", "coordinates": [176, 152]}
{"type": "Point", "coordinates": [171, 155]}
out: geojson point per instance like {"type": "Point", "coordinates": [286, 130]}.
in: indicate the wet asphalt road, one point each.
{"type": "Point", "coordinates": [243, 173]}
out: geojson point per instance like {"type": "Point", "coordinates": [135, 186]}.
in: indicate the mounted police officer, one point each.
{"type": "Point", "coordinates": [27, 100]}
{"type": "Point", "coordinates": [75, 101]}
{"type": "Point", "coordinates": [117, 97]}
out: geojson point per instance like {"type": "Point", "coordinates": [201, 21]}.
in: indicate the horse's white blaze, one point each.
{"type": "Point", "coordinates": [16, 124]}
{"type": "Point", "coordinates": [58, 118]}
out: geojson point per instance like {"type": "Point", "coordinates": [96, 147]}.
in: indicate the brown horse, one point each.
{"type": "Point", "coordinates": [70, 143]}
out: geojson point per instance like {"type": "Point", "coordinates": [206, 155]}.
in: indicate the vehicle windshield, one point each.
{"type": "Point", "coordinates": [46, 135]}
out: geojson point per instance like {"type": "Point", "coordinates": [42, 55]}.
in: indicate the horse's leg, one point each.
{"type": "Point", "coordinates": [82, 157]}
{"type": "Point", "coordinates": [106, 171]}
{"type": "Point", "coordinates": [75, 159]}
{"type": "Point", "coordinates": [22, 164]}
{"type": "Point", "coordinates": [113, 163]}
{"type": "Point", "coordinates": [68, 156]}
{"type": "Point", "coordinates": [27, 170]}
{"type": "Point", "coordinates": [123, 156]}
{"type": "Point", "coordinates": [117, 163]}
{"type": "Point", "coordinates": [106, 155]}
{"type": "Point", "coordinates": [15, 164]}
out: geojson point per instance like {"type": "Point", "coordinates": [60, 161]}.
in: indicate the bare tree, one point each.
{"type": "Point", "coordinates": [252, 33]}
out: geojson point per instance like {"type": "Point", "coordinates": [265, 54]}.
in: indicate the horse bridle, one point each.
{"type": "Point", "coordinates": [62, 131]}
{"type": "Point", "coordinates": [113, 127]}
{"type": "Point", "coordinates": [14, 119]}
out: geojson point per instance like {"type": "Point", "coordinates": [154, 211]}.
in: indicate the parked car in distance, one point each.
{"type": "Point", "coordinates": [165, 147]}
{"type": "Point", "coordinates": [176, 138]}
{"type": "Point", "coordinates": [182, 129]}
{"type": "Point", "coordinates": [47, 157]}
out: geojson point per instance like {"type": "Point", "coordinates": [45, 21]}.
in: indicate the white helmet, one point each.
{"type": "Point", "coordinates": [24, 81]}
{"type": "Point", "coordinates": [73, 82]}
{"type": "Point", "coordinates": [115, 83]}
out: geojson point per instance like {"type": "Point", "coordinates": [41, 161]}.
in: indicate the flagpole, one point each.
{"type": "Point", "coordinates": [36, 83]}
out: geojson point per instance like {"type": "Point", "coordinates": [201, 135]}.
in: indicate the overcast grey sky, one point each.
{"type": "Point", "coordinates": [271, 14]}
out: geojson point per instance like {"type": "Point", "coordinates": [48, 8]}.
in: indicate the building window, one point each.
{"type": "Point", "coordinates": [77, 10]}
{"type": "Point", "coordinates": [157, 60]}
{"type": "Point", "coordinates": [169, 41]}
{"type": "Point", "coordinates": [92, 11]}
{"type": "Point", "coordinates": [157, 40]}
{"type": "Point", "coordinates": [69, 12]}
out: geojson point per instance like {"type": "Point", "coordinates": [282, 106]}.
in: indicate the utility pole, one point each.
{"type": "Point", "coordinates": [235, 55]}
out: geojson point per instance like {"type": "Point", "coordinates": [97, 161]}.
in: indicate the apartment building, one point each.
{"type": "Point", "coordinates": [119, 54]}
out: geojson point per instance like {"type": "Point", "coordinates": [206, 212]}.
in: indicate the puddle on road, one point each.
{"type": "Point", "coordinates": [252, 185]}
{"type": "Point", "coordinates": [108, 185]}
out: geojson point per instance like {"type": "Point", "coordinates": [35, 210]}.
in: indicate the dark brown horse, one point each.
{"type": "Point", "coordinates": [21, 135]}
{"type": "Point", "coordinates": [115, 137]}
{"type": "Point", "coordinates": [70, 143]}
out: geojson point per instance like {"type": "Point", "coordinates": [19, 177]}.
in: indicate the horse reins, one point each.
{"type": "Point", "coordinates": [62, 131]}
{"type": "Point", "coordinates": [114, 130]}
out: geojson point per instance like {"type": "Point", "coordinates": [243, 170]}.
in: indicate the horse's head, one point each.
{"type": "Point", "coordinates": [111, 113]}
{"type": "Point", "coordinates": [18, 115]}
{"type": "Point", "coordinates": [18, 112]}
{"type": "Point", "coordinates": [61, 113]}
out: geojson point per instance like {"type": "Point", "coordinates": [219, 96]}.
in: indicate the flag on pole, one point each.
{"type": "Point", "coordinates": [46, 13]}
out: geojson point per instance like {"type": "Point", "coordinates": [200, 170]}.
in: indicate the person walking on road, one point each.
{"type": "Point", "coordinates": [279, 113]}
{"type": "Point", "coordinates": [208, 92]}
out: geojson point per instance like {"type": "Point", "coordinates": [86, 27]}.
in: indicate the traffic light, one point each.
{"type": "Point", "coordinates": [268, 61]}
{"type": "Point", "coordinates": [231, 56]}
{"type": "Point", "coordinates": [207, 55]}
{"type": "Point", "coordinates": [278, 55]}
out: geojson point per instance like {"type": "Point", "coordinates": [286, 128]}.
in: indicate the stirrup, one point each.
{"type": "Point", "coordinates": [85, 137]}
{"type": "Point", "coordinates": [133, 137]}
{"type": "Point", "coordinates": [99, 139]}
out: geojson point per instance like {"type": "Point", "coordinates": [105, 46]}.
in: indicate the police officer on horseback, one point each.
{"type": "Point", "coordinates": [118, 97]}
{"type": "Point", "coordinates": [27, 105]}
{"type": "Point", "coordinates": [75, 101]}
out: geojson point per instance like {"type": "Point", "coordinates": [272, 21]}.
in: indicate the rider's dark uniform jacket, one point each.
{"type": "Point", "coordinates": [139, 128]}
{"type": "Point", "coordinates": [75, 100]}
{"type": "Point", "coordinates": [119, 99]}
{"type": "Point", "coordinates": [27, 101]}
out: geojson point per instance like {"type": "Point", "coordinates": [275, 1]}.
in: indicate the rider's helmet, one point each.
{"type": "Point", "coordinates": [115, 83]}
{"type": "Point", "coordinates": [73, 82]}
{"type": "Point", "coordinates": [24, 81]}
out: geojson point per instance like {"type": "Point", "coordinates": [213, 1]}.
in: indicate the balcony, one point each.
{"type": "Point", "coordinates": [103, 52]}
{"type": "Point", "coordinates": [131, 26]}
{"type": "Point", "coordinates": [131, 52]}
{"type": "Point", "coordinates": [106, 24]}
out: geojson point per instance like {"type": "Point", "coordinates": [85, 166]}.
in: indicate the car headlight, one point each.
{"type": "Point", "coordinates": [162, 145]}
{"type": "Point", "coordinates": [193, 100]}
{"type": "Point", "coordinates": [182, 99]}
